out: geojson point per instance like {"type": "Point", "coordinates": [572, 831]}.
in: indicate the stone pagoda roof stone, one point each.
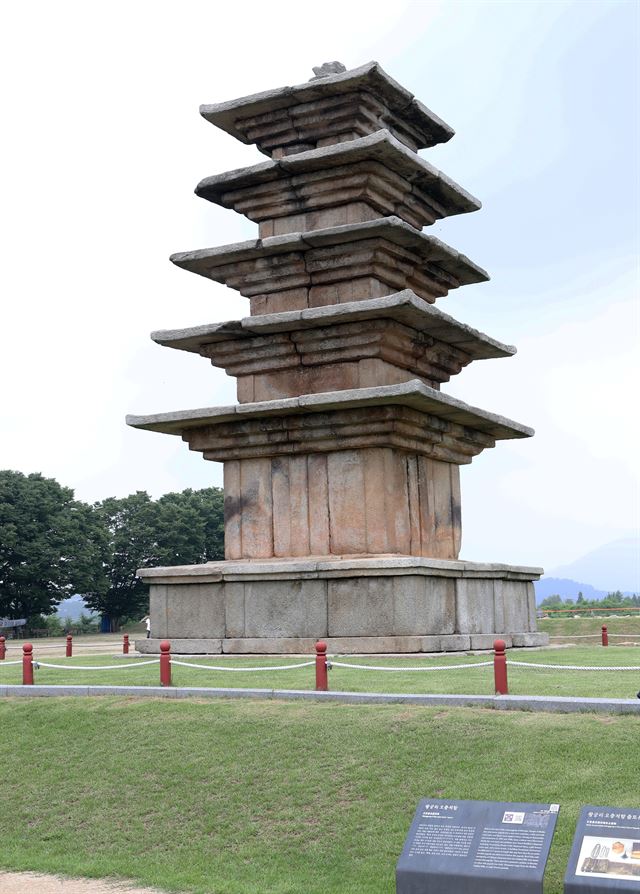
{"type": "Point", "coordinates": [321, 111]}
{"type": "Point", "coordinates": [404, 307]}
{"type": "Point", "coordinates": [387, 250]}
{"type": "Point", "coordinates": [377, 170]}
{"type": "Point", "coordinates": [413, 394]}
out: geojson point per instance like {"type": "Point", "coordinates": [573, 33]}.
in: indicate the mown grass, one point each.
{"type": "Point", "coordinates": [244, 797]}
{"type": "Point", "coordinates": [464, 681]}
{"type": "Point", "coordinates": [621, 628]}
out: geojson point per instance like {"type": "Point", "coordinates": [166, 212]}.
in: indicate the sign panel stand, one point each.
{"type": "Point", "coordinates": [471, 846]}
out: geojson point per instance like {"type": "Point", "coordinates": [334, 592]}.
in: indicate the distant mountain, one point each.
{"type": "Point", "coordinates": [72, 608]}
{"type": "Point", "coordinates": [568, 589]}
{"type": "Point", "coordinates": [614, 566]}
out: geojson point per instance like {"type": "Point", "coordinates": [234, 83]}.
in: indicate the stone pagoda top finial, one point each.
{"type": "Point", "coordinates": [326, 69]}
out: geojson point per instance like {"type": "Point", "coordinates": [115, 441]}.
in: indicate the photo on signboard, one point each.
{"type": "Point", "coordinates": [610, 858]}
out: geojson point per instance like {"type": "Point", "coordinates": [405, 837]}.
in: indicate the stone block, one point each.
{"type": "Point", "coordinates": [474, 606]}
{"type": "Point", "coordinates": [372, 645]}
{"type": "Point", "coordinates": [431, 644]}
{"type": "Point", "coordinates": [181, 646]}
{"type": "Point", "coordinates": [520, 640]}
{"type": "Point", "coordinates": [486, 640]}
{"type": "Point", "coordinates": [271, 646]}
{"type": "Point", "coordinates": [158, 610]}
{"type": "Point", "coordinates": [194, 610]}
{"type": "Point", "coordinates": [291, 609]}
{"type": "Point", "coordinates": [234, 609]}
{"type": "Point", "coordinates": [511, 606]}
{"type": "Point", "coordinates": [455, 643]}
{"type": "Point", "coordinates": [360, 606]}
{"type": "Point", "coordinates": [423, 605]}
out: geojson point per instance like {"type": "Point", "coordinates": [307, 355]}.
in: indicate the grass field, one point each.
{"type": "Point", "coordinates": [281, 797]}
{"type": "Point", "coordinates": [620, 628]}
{"type": "Point", "coordinates": [465, 681]}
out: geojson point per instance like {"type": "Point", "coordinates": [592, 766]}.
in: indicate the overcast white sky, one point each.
{"type": "Point", "coordinates": [103, 146]}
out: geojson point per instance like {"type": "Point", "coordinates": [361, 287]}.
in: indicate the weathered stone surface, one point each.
{"type": "Point", "coordinates": [430, 644]}
{"type": "Point", "coordinates": [511, 606]}
{"type": "Point", "coordinates": [396, 606]}
{"type": "Point", "coordinates": [352, 502]}
{"type": "Point", "coordinates": [382, 341]}
{"type": "Point", "coordinates": [193, 610]}
{"type": "Point", "coordinates": [363, 179]}
{"type": "Point", "coordinates": [486, 640]}
{"type": "Point", "coordinates": [330, 110]}
{"type": "Point", "coordinates": [234, 609]}
{"type": "Point", "coordinates": [530, 639]}
{"type": "Point", "coordinates": [411, 394]}
{"type": "Point", "coordinates": [181, 646]}
{"type": "Point", "coordinates": [474, 606]}
{"type": "Point", "coordinates": [360, 607]}
{"type": "Point", "coordinates": [423, 605]}
{"type": "Point", "coordinates": [297, 610]}
{"type": "Point", "coordinates": [335, 265]}
{"type": "Point", "coordinates": [327, 566]}
{"type": "Point", "coordinates": [455, 643]}
{"type": "Point", "coordinates": [372, 645]}
{"type": "Point", "coordinates": [269, 646]}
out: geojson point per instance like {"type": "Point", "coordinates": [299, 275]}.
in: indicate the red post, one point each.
{"type": "Point", "coordinates": [27, 665]}
{"type": "Point", "coordinates": [500, 667]}
{"type": "Point", "coordinates": [322, 677]}
{"type": "Point", "coordinates": [605, 636]}
{"type": "Point", "coordinates": [165, 663]}
{"type": "Point", "coordinates": [125, 644]}
{"type": "Point", "coordinates": [3, 648]}
{"type": "Point", "coordinates": [69, 646]}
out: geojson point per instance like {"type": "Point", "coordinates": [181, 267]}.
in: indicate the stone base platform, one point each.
{"type": "Point", "coordinates": [357, 605]}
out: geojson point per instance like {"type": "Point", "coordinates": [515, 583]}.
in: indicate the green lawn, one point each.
{"type": "Point", "coordinates": [249, 797]}
{"type": "Point", "coordinates": [619, 628]}
{"type": "Point", "coordinates": [465, 681]}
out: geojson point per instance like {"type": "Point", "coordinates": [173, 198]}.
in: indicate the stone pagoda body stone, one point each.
{"type": "Point", "coordinates": [342, 456]}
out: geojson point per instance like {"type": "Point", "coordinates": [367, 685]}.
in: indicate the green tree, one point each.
{"type": "Point", "coordinates": [178, 529]}
{"type": "Point", "coordinates": [51, 545]}
{"type": "Point", "coordinates": [130, 527]}
{"type": "Point", "coordinates": [190, 527]}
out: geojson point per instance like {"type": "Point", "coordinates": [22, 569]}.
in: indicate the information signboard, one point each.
{"type": "Point", "coordinates": [606, 851]}
{"type": "Point", "coordinates": [471, 846]}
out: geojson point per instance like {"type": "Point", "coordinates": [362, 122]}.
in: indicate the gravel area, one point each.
{"type": "Point", "coordinates": [31, 882]}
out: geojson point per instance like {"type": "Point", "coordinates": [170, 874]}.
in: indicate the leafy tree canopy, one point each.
{"type": "Point", "coordinates": [184, 528]}
{"type": "Point", "coordinates": [50, 545]}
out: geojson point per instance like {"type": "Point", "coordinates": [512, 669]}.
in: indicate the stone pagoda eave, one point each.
{"type": "Point", "coordinates": [413, 394]}
{"type": "Point", "coordinates": [282, 189]}
{"type": "Point", "coordinates": [427, 128]}
{"type": "Point", "coordinates": [321, 257]}
{"type": "Point", "coordinates": [404, 307]}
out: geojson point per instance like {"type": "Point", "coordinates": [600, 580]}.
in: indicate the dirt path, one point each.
{"type": "Point", "coordinates": [30, 882]}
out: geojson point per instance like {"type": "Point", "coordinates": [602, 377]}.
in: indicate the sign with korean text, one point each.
{"type": "Point", "coordinates": [470, 846]}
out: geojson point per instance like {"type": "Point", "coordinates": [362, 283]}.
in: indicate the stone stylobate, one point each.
{"type": "Point", "coordinates": [342, 445]}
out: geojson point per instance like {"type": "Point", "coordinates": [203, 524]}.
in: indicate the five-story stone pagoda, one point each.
{"type": "Point", "coordinates": [341, 459]}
